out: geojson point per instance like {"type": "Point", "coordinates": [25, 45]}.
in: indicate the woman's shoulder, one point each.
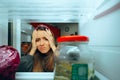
{"type": "Point", "coordinates": [27, 57]}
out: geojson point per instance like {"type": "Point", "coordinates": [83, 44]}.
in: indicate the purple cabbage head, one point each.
{"type": "Point", "coordinates": [9, 62]}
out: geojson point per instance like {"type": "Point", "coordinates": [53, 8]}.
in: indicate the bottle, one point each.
{"type": "Point", "coordinates": [75, 60]}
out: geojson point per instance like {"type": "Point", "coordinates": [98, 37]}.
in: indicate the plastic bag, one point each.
{"type": "Point", "coordinates": [9, 62]}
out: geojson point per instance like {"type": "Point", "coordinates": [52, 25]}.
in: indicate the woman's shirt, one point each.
{"type": "Point", "coordinates": [26, 64]}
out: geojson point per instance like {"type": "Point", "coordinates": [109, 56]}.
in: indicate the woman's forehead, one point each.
{"type": "Point", "coordinates": [41, 33]}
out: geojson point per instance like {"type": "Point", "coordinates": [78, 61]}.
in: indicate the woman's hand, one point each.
{"type": "Point", "coordinates": [50, 38]}
{"type": "Point", "coordinates": [34, 47]}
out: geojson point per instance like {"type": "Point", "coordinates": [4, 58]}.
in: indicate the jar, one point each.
{"type": "Point", "coordinates": [75, 60]}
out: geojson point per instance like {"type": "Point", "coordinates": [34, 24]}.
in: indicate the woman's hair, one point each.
{"type": "Point", "coordinates": [43, 62]}
{"type": "Point", "coordinates": [41, 27]}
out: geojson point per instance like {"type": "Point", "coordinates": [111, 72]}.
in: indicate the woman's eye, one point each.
{"type": "Point", "coordinates": [38, 39]}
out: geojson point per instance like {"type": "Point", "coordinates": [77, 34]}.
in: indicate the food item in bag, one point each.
{"type": "Point", "coordinates": [9, 61]}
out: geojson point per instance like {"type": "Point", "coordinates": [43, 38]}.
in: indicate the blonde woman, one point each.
{"type": "Point", "coordinates": [40, 57]}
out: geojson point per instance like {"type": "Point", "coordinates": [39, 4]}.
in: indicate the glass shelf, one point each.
{"type": "Point", "coordinates": [47, 76]}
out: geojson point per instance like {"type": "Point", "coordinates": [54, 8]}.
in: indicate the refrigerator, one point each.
{"type": "Point", "coordinates": [103, 30]}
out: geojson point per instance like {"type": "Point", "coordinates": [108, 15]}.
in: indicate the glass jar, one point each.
{"type": "Point", "coordinates": [75, 60]}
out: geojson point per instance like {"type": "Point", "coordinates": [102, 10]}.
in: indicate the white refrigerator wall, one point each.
{"type": "Point", "coordinates": [105, 43]}
{"type": "Point", "coordinates": [3, 27]}
{"type": "Point", "coordinates": [3, 32]}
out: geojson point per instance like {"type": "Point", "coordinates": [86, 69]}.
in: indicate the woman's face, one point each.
{"type": "Point", "coordinates": [42, 42]}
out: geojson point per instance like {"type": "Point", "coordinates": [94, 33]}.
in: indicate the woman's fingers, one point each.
{"type": "Point", "coordinates": [49, 32]}
{"type": "Point", "coordinates": [34, 34]}
{"type": "Point", "coordinates": [34, 39]}
{"type": "Point", "coordinates": [48, 35]}
{"type": "Point", "coordinates": [50, 38]}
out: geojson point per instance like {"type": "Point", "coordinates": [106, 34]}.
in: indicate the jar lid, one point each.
{"type": "Point", "coordinates": [72, 38]}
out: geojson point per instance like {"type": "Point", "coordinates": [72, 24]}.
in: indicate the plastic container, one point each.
{"type": "Point", "coordinates": [75, 61]}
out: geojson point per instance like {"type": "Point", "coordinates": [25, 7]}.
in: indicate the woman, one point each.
{"type": "Point", "coordinates": [41, 54]}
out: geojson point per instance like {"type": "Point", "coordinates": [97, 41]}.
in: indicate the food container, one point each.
{"type": "Point", "coordinates": [75, 60]}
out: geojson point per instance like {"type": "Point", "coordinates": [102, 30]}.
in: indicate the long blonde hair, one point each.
{"type": "Point", "coordinates": [43, 62]}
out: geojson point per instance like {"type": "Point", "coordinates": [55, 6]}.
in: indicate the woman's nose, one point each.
{"type": "Point", "coordinates": [41, 42]}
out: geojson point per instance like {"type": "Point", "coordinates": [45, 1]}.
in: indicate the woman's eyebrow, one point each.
{"type": "Point", "coordinates": [45, 38]}
{"type": "Point", "coordinates": [37, 39]}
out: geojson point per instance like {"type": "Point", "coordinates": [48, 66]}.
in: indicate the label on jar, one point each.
{"type": "Point", "coordinates": [66, 70]}
{"type": "Point", "coordinates": [79, 72]}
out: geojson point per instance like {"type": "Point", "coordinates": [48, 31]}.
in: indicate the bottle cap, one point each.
{"type": "Point", "coordinates": [78, 38]}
